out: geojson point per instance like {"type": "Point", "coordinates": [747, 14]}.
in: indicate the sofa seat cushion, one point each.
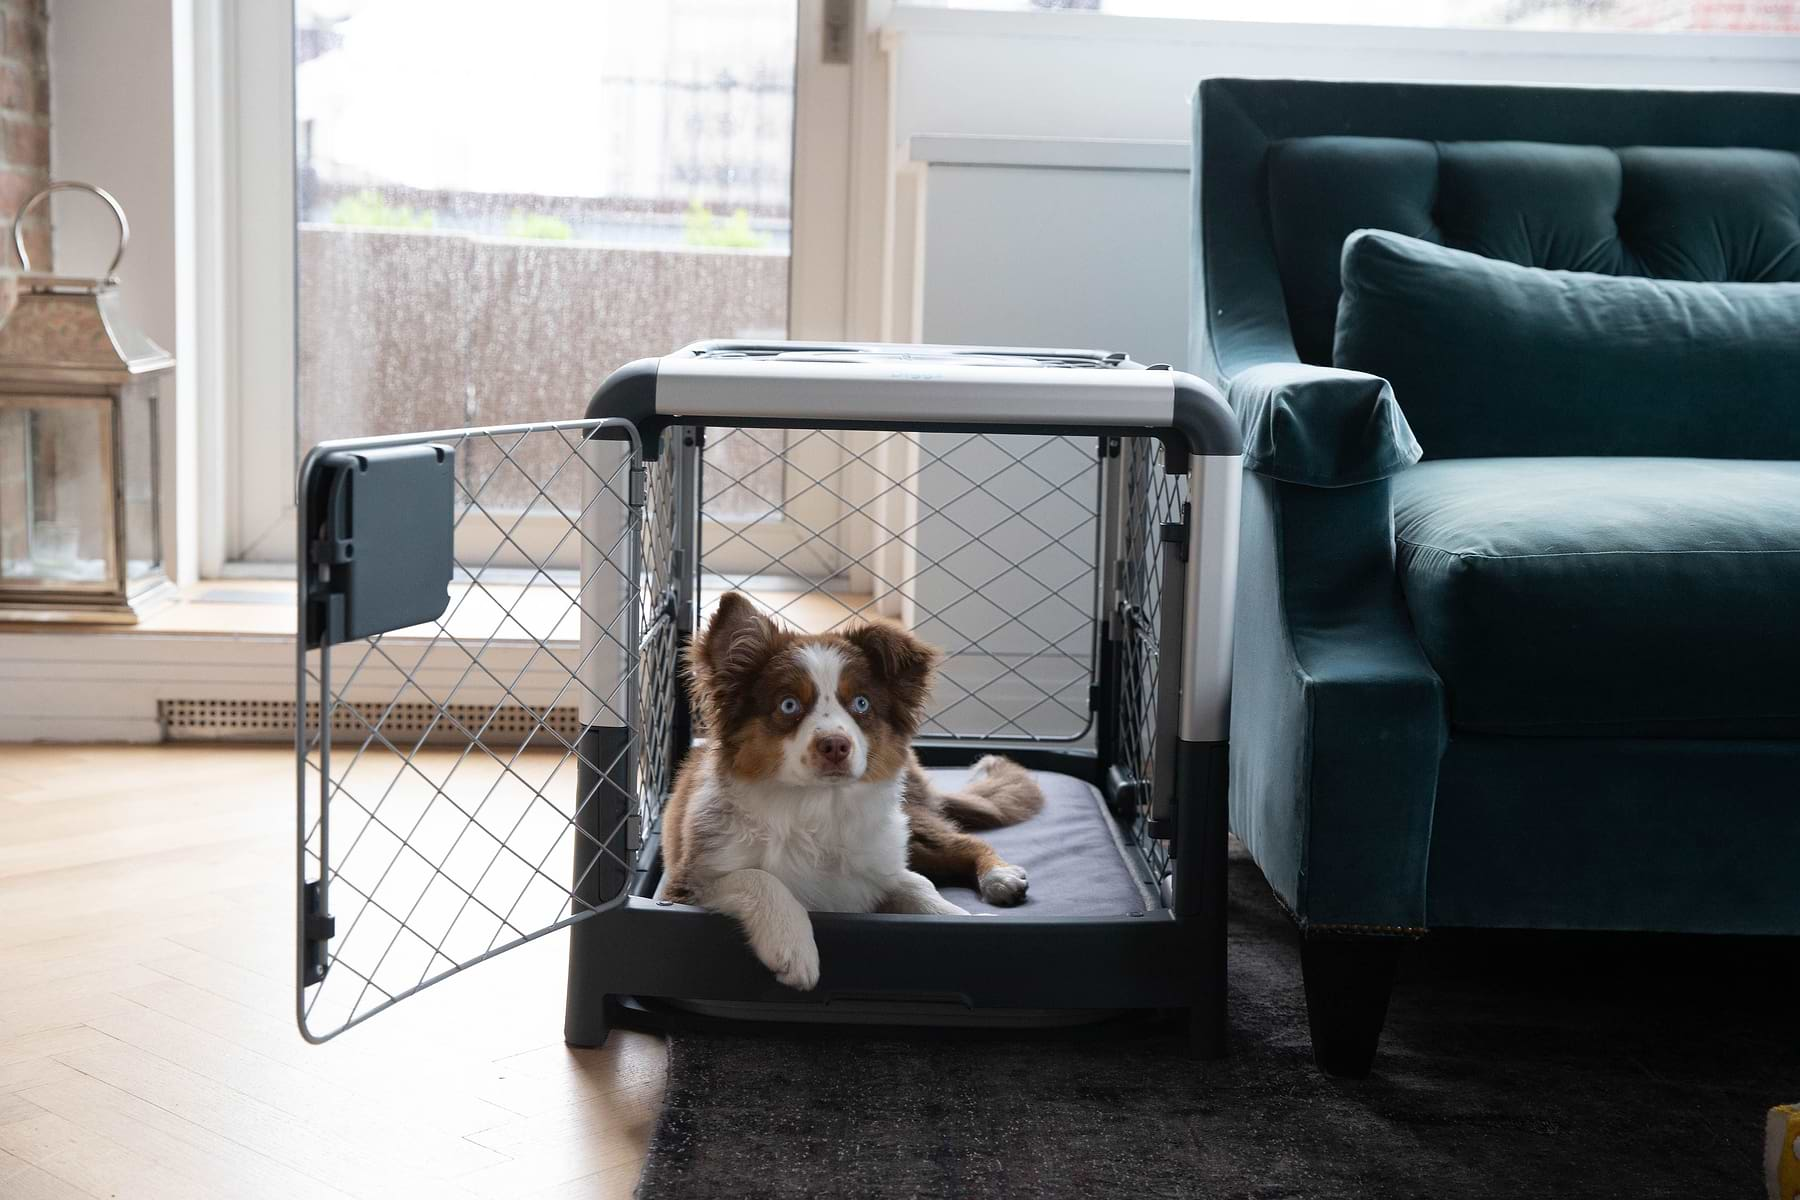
{"type": "Point", "coordinates": [1642, 597]}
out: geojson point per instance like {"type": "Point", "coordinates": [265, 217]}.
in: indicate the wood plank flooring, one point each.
{"type": "Point", "coordinates": [147, 1040]}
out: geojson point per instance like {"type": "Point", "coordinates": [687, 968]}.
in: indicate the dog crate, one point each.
{"type": "Point", "coordinates": [493, 709]}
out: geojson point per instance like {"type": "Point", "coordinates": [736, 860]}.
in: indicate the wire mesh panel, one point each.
{"type": "Point", "coordinates": [428, 846]}
{"type": "Point", "coordinates": [1153, 498]}
{"type": "Point", "coordinates": [985, 545]}
{"type": "Point", "coordinates": [659, 667]}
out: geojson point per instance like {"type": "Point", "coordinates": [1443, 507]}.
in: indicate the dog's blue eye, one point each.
{"type": "Point", "coordinates": [788, 706]}
{"type": "Point", "coordinates": [860, 704]}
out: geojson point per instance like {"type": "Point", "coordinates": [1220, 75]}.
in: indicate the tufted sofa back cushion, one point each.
{"type": "Point", "coordinates": [1713, 214]}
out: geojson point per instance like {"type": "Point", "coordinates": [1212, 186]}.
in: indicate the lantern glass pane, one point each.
{"type": "Point", "coordinates": [137, 482]}
{"type": "Point", "coordinates": [54, 495]}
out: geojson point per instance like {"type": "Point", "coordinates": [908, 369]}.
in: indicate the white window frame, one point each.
{"type": "Point", "coordinates": [255, 521]}
{"type": "Point", "coordinates": [248, 524]}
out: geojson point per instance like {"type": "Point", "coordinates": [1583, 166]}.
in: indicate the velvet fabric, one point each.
{"type": "Point", "coordinates": [1706, 213]}
{"type": "Point", "coordinates": [1497, 359]}
{"type": "Point", "coordinates": [1336, 715]}
{"type": "Point", "coordinates": [1372, 790]}
{"type": "Point", "coordinates": [1319, 426]}
{"type": "Point", "coordinates": [1654, 835]}
{"type": "Point", "coordinates": [1632, 597]}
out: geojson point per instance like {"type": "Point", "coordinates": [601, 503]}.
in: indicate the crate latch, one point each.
{"type": "Point", "coordinates": [317, 928]}
{"type": "Point", "coordinates": [380, 550]}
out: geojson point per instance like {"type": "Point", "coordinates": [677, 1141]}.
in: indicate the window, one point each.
{"type": "Point", "coordinates": [497, 206]}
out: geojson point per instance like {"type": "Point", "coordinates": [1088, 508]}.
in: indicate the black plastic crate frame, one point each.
{"type": "Point", "coordinates": [1165, 511]}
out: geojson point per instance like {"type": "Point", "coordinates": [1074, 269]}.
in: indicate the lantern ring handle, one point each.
{"type": "Point", "coordinates": [68, 185]}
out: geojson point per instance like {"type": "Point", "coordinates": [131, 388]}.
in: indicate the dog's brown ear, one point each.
{"type": "Point", "coordinates": [736, 645]}
{"type": "Point", "coordinates": [901, 661]}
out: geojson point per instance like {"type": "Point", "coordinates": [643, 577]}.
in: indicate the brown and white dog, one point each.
{"type": "Point", "coordinates": [808, 795]}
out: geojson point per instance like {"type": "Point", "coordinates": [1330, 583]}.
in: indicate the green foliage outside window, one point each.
{"type": "Point", "coordinates": [538, 227]}
{"type": "Point", "coordinates": [703, 228]}
{"type": "Point", "coordinates": [368, 209]}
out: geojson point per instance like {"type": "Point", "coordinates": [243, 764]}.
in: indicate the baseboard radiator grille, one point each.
{"type": "Point", "coordinates": [272, 721]}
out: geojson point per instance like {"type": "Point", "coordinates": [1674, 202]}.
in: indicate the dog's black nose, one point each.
{"type": "Point", "coordinates": [834, 748]}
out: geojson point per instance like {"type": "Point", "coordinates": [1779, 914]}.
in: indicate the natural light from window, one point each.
{"type": "Point", "coordinates": [498, 205]}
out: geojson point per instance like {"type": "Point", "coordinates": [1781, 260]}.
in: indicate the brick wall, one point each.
{"type": "Point", "coordinates": [24, 122]}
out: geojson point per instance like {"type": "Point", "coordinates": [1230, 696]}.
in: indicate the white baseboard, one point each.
{"type": "Point", "coordinates": [90, 686]}
{"type": "Point", "coordinates": [86, 686]}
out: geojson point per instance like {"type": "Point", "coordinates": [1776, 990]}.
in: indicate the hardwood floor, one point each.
{"type": "Point", "coordinates": [147, 1040]}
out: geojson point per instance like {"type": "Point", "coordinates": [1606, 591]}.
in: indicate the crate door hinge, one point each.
{"type": "Point", "coordinates": [1164, 786]}
{"type": "Point", "coordinates": [317, 929]}
{"type": "Point", "coordinates": [1177, 531]}
{"type": "Point", "coordinates": [333, 549]}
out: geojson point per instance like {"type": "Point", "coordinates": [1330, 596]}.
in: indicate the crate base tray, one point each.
{"type": "Point", "coordinates": [1089, 944]}
{"type": "Point", "coordinates": [661, 1015]}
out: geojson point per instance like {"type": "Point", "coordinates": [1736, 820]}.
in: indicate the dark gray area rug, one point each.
{"type": "Point", "coordinates": [1512, 1066]}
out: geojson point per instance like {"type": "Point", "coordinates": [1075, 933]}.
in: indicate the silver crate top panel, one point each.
{"type": "Point", "coordinates": [910, 385]}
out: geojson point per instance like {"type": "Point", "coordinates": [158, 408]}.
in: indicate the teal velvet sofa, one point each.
{"type": "Point", "coordinates": [1520, 648]}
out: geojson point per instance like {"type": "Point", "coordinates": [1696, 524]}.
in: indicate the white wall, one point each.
{"type": "Point", "coordinates": [1084, 75]}
{"type": "Point", "coordinates": [112, 123]}
{"type": "Point", "coordinates": [1032, 256]}
{"type": "Point", "coordinates": [113, 70]}
{"type": "Point", "coordinates": [1098, 256]}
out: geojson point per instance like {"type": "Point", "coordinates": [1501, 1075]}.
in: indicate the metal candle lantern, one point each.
{"type": "Point", "coordinates": [79, 390]}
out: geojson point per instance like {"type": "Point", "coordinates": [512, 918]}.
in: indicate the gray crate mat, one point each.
{"type": "Point", "coordinates": [1079, 866]}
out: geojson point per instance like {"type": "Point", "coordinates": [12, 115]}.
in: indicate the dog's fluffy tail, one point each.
{"type": "Point", "coordinates": [999, 792]}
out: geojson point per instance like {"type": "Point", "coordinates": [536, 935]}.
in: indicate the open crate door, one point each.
{"type": "Point", "coordinates": [476, 617]}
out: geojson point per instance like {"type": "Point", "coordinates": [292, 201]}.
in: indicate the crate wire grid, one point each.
{"type": "Point", "coordinates": [1152, 499]}
{"type": "Point", "coordinates": [466, 832]}
{"type": "Point", "coordinates": [488, 836]}
{"type": "Point", "coordinates": [659, 659]}
{"type": "Point", "coordinates": [937, 525]}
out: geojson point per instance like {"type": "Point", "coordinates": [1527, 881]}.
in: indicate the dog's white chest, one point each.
{"type": "Point", "coordinates": [837, 849]}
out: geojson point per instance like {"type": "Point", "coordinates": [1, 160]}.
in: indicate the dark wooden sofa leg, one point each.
{"type": "Point", "coordinates": [1348, 981]}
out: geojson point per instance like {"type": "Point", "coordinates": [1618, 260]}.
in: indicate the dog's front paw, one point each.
{"type": "Point", "coordinates": [793, 959]}
{"type": "Point", "coordinates": [1004, 884]}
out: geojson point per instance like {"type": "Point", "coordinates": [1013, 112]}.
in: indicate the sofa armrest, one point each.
{"type": "Point", "coordinates": [1337, 717]}
{"type": "Point", "coordinates": [1320, 426]}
